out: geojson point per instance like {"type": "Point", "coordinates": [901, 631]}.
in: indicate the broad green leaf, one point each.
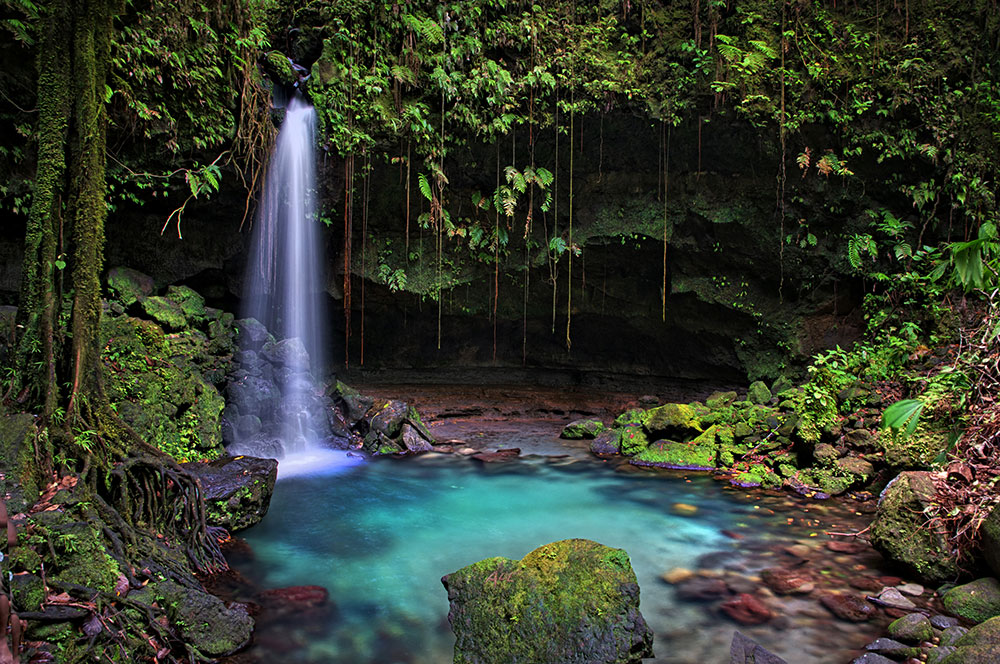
{"type": "Point", "coordinates": [903, 415]}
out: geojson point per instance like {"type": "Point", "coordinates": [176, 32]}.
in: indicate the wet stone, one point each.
{"type": "Point", "coordinates": [866, 583]}
{"type": "Point", "coordinates": [938, 655]}
{"type": "Point", "coordinates": [951, 635]}
{"type": "Point", "coordinates": [746, 610]}
{"type": "Point", "coordinates": [912, 628]}
{"type": "Point", "coordinates": [872, 658]}
{"type": "Point", "coordinates": [944, 622]}
{"type": "Point", "coordinates": [912, 589]}
{"type": "Point", "coordinates": [848, 607]}
{"type": "Point", "coordinates": [892, 648]}
{"type": "Point", "coordinates": [894, 599]}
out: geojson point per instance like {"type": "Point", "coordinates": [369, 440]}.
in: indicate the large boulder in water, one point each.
{"type": "Point", "coordinates": [237, 490]}
{"type": "Point", "coordinates": [569, 601]}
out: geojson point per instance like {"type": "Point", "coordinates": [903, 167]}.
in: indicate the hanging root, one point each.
{"type": "Point", "coordinates": [160, 497]}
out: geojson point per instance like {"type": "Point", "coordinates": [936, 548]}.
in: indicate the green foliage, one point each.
{"type": "Point", "coordinates": [903, 415]}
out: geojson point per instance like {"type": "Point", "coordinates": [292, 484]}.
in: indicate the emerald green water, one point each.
{"type": "Point", "coordinates": [380, 534]}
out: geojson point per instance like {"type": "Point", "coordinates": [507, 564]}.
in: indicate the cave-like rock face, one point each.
{"type": "Point", "coordinates": [741, 297]}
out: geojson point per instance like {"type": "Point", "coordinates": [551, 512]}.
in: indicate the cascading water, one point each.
{"type": "Point", "coordinates": [279, 384]}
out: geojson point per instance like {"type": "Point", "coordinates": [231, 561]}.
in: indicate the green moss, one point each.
{"type": "Point", "coordinates": [191, 303]}
{"type": "Point", "coordinates": [165, 312]}
{"type": "Point", "coordinates": [672, 454]}
{"type": "Point", "coordinates": [540, 608]}
{"type": "Point", "coordinates": [672, 418]}
{"type": "Point", "coordinates": [977, 601]}
{"type": "Point", "coordinates": [917, 450]}
{"type": "Point", "coordinates": [580, 429]}
{"type": "Point", "coordinates": [757, 475]}
{"type": "Point", "coordinates": [279, 69]}
{"type": "Point", "coordinates": [632, 440]}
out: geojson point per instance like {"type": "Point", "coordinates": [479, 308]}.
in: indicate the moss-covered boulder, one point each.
{"type": "Point", "coordinates": [979, 645]}
{"type": "Point", "coordinates": [18, 438]}
{"type": "Point", "coordinates": [159, 391]}
{"type": "Point", "coordinates": [675, 420]}
{"type": "Point", "coordinates": [237, 490]}
{"type": "Point", "coordinates": [976, 601]}
{"type": "Point", "coordinates": [278, 68]}
{"type": "Point", "coordinates": [673, 454]}
{"type": "Point", "coordinates": [919, 449]}
{"type": "Point", "coordinates": [191, 303]}
{"type": "Point", "coordinates": [129, 286]}
{"type": "Point", "coordinates": [205, 621]}
{"type": "Point", "coordinates": [911, 628]}
{"type": "Point", "coordinates": [758, 393]}
{"type": "Point", "coordinates": [580, 429]}
{"type": "Point", "coordinates": [990, 533]}
{"type": "Point", "coordinates": [165, 312]}
{"type": "Point", "coordinates": [901, 530]}
{"type": "Point", "coordinates": [569, 601]}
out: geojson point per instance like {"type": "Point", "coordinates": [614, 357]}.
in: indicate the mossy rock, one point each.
{"type": "Point", "coordinates": [758, 393]}
{"type": "Point", "coordinates": [278, 68]}
{"type": "Point", "coordinates": [631, 416]}
{"type": "Point", "coordinates": [976, 601]}
{"type": "Point", "coordinates": [756, 475]}
{"type": "Point", "coordinates": [673, 454]}
{"type": "Point", "coordinates": [826, 480]}
{"type": "Point", "coordinates": [18, 435]}
{"type": "Point", "coordinates": [129, 286]}
{"type": "Point", "coordinates": [855, 467]}
{"type": "Point", "coordinates": [82, 558]}
{"type": "Point", "coordinates": [632, 439]}
{"type": "Point", "coordinates": [157, 388]}
{"type": "Point", "coordinates": [237, 491]}
{"type": "Point", "coordinates": [165, 312]}
{"type": "Point", "coordinates": [204, 620]}
{"type": "Point", "coordinates": [917, 450]}
{"type": "Point", "coordinates": [902, 533]}
{"type": "Point", "coordinates": [569, 601]}
{"type": "Point", "coordinates": [990, 534]}
{"type": "Point", "coordinates": [582, 429]}
{"type": "Point", "coordinates": [191, 303]}
{"type": "Point", "coordinates": [979, 645]}
{"type": "Point", "coordinates": [912, 628]}
{"type": "Point", "coordinates": [672, 419]}
{"type": "Point", "coordinates": [720, 399]}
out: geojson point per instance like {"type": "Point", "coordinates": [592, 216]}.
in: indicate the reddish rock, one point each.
{"type": "Point", "coordinates": [499, 456]}
{"type": "Point", "coordinates": [746, 610]}
{"type": "Point", "coordinates": [848, 607]}
{"type": "Point", "coordinates": [788, 582]}
{"type": "Point", "coordinates": [866, 583]}
{"type": "Point", "coordinates": [846, 546]}
{"type": "Point", "coordinates": [890, 580]}
{"type": "Point", "coordinates": [294, 601]}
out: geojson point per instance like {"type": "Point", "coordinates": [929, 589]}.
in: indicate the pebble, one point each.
{"type": "Point", "coordinates": [893, 598]}
{"type": "Point", "coordinates": [867, 583]}
{"type": "Point", "coordinates": [841, 546]}
{"type": "Point", "coordinates": [676, 575]}
{"type": "Point", "coordinates": [912, 589]}
{"type": "Point", "coordinates": [467, 451]}
{"type": "Point", "coordinates": [684, 509]}
{"type": "Point", "coordinates": [799, 550]}
{"type": "Point", "coordinates": [944, 622]}
{"type": "Point", "coordinates": [746, 610]}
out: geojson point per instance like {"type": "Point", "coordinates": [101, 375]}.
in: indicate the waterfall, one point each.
{"type": "Point", "coordinates": [284, 292]}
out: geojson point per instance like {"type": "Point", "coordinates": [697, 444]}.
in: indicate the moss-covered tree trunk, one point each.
{"type": "Point", "coordinates": [58, 353]}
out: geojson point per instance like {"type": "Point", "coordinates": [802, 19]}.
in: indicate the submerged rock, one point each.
{"type": "Point", "coordinates": [237, 490]}
{"type": "Point", "coordinates": [745, 650]}
{"type": "Point", "coordinates": [569, 601]}
{"type": "Point", "coordinates": [900, 530]}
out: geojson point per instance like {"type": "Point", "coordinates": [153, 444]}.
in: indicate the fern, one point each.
{"type": "Point", "coordinates": [425, 186]}
{"type": "Point", "coordinates": [858, 244]}
{"type": "Point", "coordinates": [425, 27]}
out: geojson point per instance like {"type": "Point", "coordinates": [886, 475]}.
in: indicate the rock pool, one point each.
{"type": "Point", "coordinates": [378, 535]}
